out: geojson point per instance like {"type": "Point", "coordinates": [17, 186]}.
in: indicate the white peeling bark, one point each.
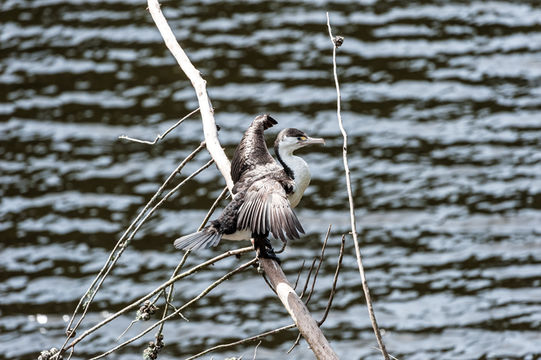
{"type": "Point", "coordinates": [298, 311]}
{"type": "Point", "coordinates": [200, 86]}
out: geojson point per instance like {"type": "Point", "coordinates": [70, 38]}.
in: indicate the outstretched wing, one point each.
{"type": "Point", "coordinates": [252, 149]}
{"type": "Point", "coordinates": [267, 209]}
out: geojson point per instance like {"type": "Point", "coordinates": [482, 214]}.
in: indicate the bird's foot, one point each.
{"type": "Point", "coordinates": [263, 249]}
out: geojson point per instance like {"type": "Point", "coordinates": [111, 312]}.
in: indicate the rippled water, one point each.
{"type": "Point", "coordinates": [441, 101]}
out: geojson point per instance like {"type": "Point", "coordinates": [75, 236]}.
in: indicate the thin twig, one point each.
{"type": "Point", "coordinates": [159, 136]}
{"type": "Point", "coordinates": [189, 303]}
{"type": "Point", "coordinates": [336, 43]}
{"type": "Point", "coordinates": [299, 275]}
{"type": "Point", "coordinates": [319, 264]}
{"type": "Point", "coordinates": [169, 297]}
{"type": "Point", "coordinates": [125, 331]}
{"type": "Point", "coordinates": [117, 251]}
{"type": "Point", "coordinates": [298, 339]}
{"type": "Point", "coordinates": [212, 208]}
{"type": "Point", "coordinates": [243, 341]}
{"type": "Point", "coordinates": [255, 350]}
{"type": "Point", "coordinates": [159, 289]}
{"type": "Point", "coordinates": [308, 277]}
{"type": "Point", "coordinates": [334, 282]}
{"type": "Point", "coordinates": [268, 282]}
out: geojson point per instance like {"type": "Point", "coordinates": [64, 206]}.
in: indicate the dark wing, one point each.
{"type": "Point", "coordinates": [267, 209]}
{"type": "Point", "coordinates": [252, 149]}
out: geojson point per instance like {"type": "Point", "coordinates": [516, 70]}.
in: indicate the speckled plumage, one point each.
{"type": "Point", "coordinates": [262, 187]}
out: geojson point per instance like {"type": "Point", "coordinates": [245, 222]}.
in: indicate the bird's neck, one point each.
{"type": "Point", "coordinates": [292, 164]}
{"type": "Point", "coordinates": [285, 158]}
{"type": "Point", "coordinates": [295, 167]}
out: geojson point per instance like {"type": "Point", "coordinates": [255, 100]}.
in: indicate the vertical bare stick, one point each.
{"type": "Point", "coordinates": [336, 43]}
{"type": "Point", "coordinates": [200, 86]}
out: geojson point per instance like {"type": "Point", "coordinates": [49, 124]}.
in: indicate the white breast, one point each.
{"type": "Point", "coordinates": [302, 179]}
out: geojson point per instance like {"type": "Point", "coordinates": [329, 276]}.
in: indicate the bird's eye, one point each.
{"type": "Point", "coordinates": [301, 138]}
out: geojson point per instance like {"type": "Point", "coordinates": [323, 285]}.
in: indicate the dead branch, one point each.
{"type": "Point", "coordinates": [334, 282]}
{"type": "Point", "coordinates": [243, 341]}
{"type": "Point", "coordinates": [117, 251]}
{"type": "Point", "coordinates": [278, 330]}
{"type": "Point", "coordinates": [176, 312]}
{"type": "Point", "coordinates": [298, 311]}
{"type": "Point", "coordinates": [160, 288]}
{"type": "Point", "coordinates": [200, 86]}
{"type": "Point", "coordinates": [319, 264]}
{"type": "Point", "coordinates": [297, 340]}
{"type": "Point", "coordinates": [159, 136]}
{"type": "Point", "coordinates": [337, 41]}
{"type": "Point", "coordinates": [169, 297]}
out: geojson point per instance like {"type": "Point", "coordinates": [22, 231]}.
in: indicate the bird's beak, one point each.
{"type": "Point", "coordinates": [311, 140]}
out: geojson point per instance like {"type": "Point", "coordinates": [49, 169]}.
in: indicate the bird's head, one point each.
{"type": "Point", "coordinates": [289, 140]}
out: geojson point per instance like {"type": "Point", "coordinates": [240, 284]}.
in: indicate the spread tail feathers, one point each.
{"type": "Point", "coordinates": [202, 239]}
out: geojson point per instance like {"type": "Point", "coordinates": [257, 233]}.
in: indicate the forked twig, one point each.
{"type": "Point", "coordinates": [176, 312]}
{"type": "Point", "coordinates": [323, 247]}
{"type": "Point", "coordinates": [159, 289]}
{"type": "Point", "coordinates": [337, 41]}
{"type": "Point", "coordinates": [117, 251]}
{"type": "Point", "coordinates": [308, 278]}
{"type": "Point", "coordinates": [159, 136]}
{"type": "Point", "coordinates": [321, 256]}
{"type": "Point", "coordinates": [299, 275]}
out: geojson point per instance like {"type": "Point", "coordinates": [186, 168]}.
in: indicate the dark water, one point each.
{"type": "Point", "coordinates": [441, 101]}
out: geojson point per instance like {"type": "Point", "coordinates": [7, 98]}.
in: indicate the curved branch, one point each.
{"type": "Point", "coordinates": [200, 86]}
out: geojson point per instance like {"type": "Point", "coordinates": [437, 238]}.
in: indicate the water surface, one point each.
{"type": "Point", "coordinates": [441, 102]}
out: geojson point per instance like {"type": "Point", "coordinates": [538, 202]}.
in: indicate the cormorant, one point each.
{"type": "Point", "coordinates": [265, 191]}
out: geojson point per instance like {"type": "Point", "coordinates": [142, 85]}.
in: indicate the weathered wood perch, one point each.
{"type": "Point", "coordinates": [305, 322]}
{"type": "Point", "coordinates": [298, 311]}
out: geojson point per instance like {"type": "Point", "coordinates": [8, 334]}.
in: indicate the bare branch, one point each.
{"type": "Point", "coordinates": [169, 297]}
{"type": "Point", "coordinates": [337, 41]}
{"type": "Point", "coordinates": [243, 341]}
{"type": "Point", "coordinates": [319, 264]}
{"type": "Point", "coordinates": [308, 277]}
{"type": "Point", "coordinates": [200, 86]}
{"type": "Point", "coordinates": [334, 282]}
{"type": "Point", "coordinates": [160, 288]}
{"type": "Point", "coordinates": [159, 136]}
{"type": "Point", "coordinates": [212, 208]}
{"type": "Point", "coordinates": [117, 251]}
{"type": "Point", "coordinates": [313, 282]}
{"type": "Point", "coordinates": [189, 303]}
{"type": "Point", "coordinates": [298, 311]}
{"type": "Point", "coordinates": [255, 350]}
{"type": "Point", "coordinates": [299, 275]}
